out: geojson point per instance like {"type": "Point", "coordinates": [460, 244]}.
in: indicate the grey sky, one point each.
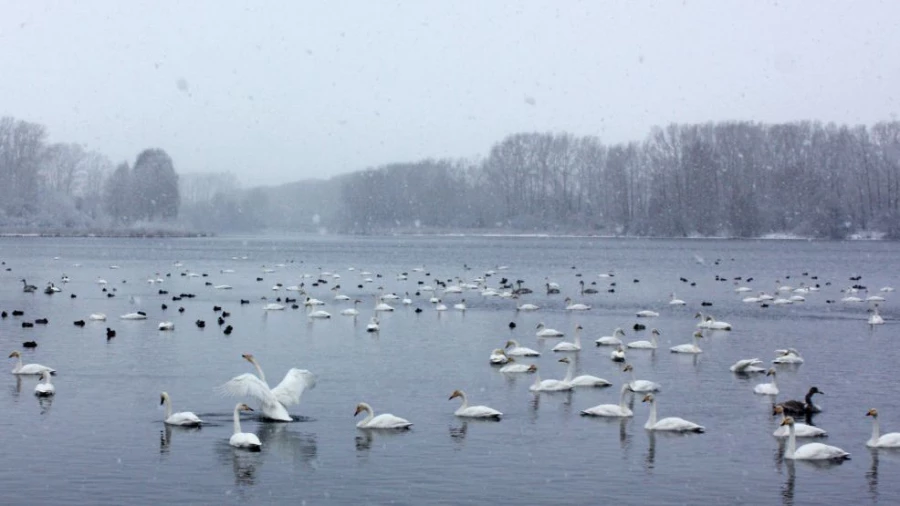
{"type": "Point", "coordinates": [277, 92]}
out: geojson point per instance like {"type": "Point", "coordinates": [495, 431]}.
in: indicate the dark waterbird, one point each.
{"type": "Point", "coordinates": [79, 323]}
{"type": "Point", "coordinates": [110, 333]}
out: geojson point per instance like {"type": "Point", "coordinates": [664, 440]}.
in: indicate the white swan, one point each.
{"type": "Point", "coordinates": [618, 354]}
{"type": "Point", "coordinates": [273, 400]}
{"type": "Point", "coordinates": [45, 389]}
{"type": "Point", "coordinates": [184, 418]}
{"type": "Point", "coordinates": [382, 421]}
{"type": "Point", "coordinates": [708, 322]}
{"type": "Point", "coordinates": [527, 307]}
{"type": "Point", "coordinates": [689, 348]}
{"type": "Point", "coordinates": [460, 306]}
{"type": "Point", "coordinates": [543, 331]}
{"type": "Point", "coordinates": [498, 357]}
{"type": "Point", "coordinates": [166, 326]}
{"type": "Point", "coordinates": [137, 315]}
{"type": "Point", "coordinates": [549, 385]}
{"type": "Point", "coordinates": [613, 340]}
{"type": "Point", "coordinates": [788, 356]}
{"type": "Point", "coordinates": [514, 350]}
{"type": "Point", "coordinates": [512, 367]}
{"type": "Point", "coordinates": [671, 423]}
{"type": "Point", "coordinates": [374, 325]}
{"type": "Point", "coordinates": [810, 451]}
{"type": "Point", "coordinates": [636, 385]}
{"type": "Point", "coordinates": [646, 313]}
{"type": "Point", "coordinates": [97, 317]}
{"type": "Point", "coordinates": [351, 311]}
{"type": "Point", "coordinates": [467, 411]}
{"type": "Point", "coordinates": [240, 439]}
{"type": "Point", "coordinates": [767, 388]}
{"type": "Point", "coordinates": [584, 380]}
{"type": "Point", "coordinates": [573, 306]}
{"type": "Point", "coordinates": [800, 429]}
{"type": "Point", "coordinates": [674, 301]}
{"type": "Point", "coordinates": [319, 315]}
{"type": "Point", "coordinates": [614, 410]}
{"type": "Point", "coordinates": [28, 368]}
{"type": "Point", "coordinates": [889, 440]}
{"type": "Point", "coordinates": [875, 318]}
{"type": "Point", "coordinates": [646, 345]}
{"type": "Point", "coordinates": [272, 306]}
{"type": "Point", "coordinates": [747, 365]}
{"type": "Point", "coordinates": [573, 346]}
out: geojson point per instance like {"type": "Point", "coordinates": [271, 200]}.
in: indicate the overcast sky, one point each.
{"type": "Point", "coordinates": [282, 91]}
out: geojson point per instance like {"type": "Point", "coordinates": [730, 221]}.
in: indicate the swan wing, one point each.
{"type": "Point", "coordinates": [678, 424]}
{"type": "Point", "coordinates": [479, 412]}
{"type": "Point", "coordinates": [613, 410]}
{"type": "Point", "coordinates": [184, 418]}
{"type": "Point", "coordinates": [819, 451]}
{"type": "Point", "coordinates": [248, 385]}
{"type": "Point", "coordinates": [295, 382]}
{"type": "Point", "coordinates": [388, 421]}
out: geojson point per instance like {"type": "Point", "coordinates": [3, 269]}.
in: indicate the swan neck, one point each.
{"type": "Point", "coordinates": [465, 401]}
{"type": "Point", "coordinates": [624, 391]}
{"type": "Point", "coordinates": [370, 414]}
{"type": "Point", "coordinates": [652, 420]}
{"type": "Point", "coordinates": [876, 430]}
{"type": "Point", "coordinates": [578, 338]}
{"type": "Point", "coordinates": [237, 420]}
{"type": "Point", "coordinates": [18, 363]}
{"type": "Point", "coordinates": [792, 442]}
{"type": "Point", "coordinates": [262, 375]}
{"type": "Point", "coordinates": [166, 401]}
{"type": "Point", "coordinates": [569, 372]}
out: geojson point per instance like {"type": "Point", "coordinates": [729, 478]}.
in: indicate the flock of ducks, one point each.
{"type": "Point", "coordinates": [273, 403]}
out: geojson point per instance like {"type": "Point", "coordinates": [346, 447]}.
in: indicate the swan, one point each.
{"type": "Point", "coordinates": [618, 354]}
{"type": "Point", "coordinates": [543, 331]}
{"type": "Point", "coordinates": [671, 423]}
{"type": "Point", "coordinates": [800, 429]}
{"type": "Point", "coordinates": [184, 418]}
{"type": "Point", "coordinates": [810, 451]}
{"type": "Point", "coordinates": [875, 318]}
{"type": "Point", "coordinates": [646, 345]}
{"type": "Point", "coordinates": [674, 301]}
{"type": "Point", "coordinates": [382, 421]}
{"type": "Point", "coordinates": [46, 389]}
{"type": "Point", "coordinates": [613, 340]}
{"type": "Point", "coordinates": [585, 380]}
{"type": "Point", "coordinates": [273, 307]}
{"type": "Point", "coordinates": [97, 317]}
{"type": "Point", "coordinates": [747, 365]}
{"type": "Point", "coordinates": [273, 400]}
{"type": "Point", "coordinates": [28, 368]}
{"type": "Point", "coordinates": [310, 301]}
{"type": "Point", "coordinates": [573, 346]}
{"type": "Point", "coordinates": [639, 385]}
{"type": "Point", "coordinates": [473, 411]}
{"type": "Point", "coordinates": [514, 350]}
{"type": "Point", "coordinates": [166, 326]}
{"type": "Point", "coordinates": [549, 385]}
{"type": "Point", "coordinates": [689, 348]}
{"type": "Point", "coordinates": [527, 307]}
{"type": "Point", "coordinates": [708, 322]}
{"type": "Point", "coordinates": [374, 325]}
{"type": "Point", "coordinates": [351, 311]}
{"type": "Point", "coordinates": [460, 306]}
{"type": "Point", "coordinates": [889, 440]}
{"type": "Point", "coordinates": [573, 306]}
{"type": "Point", "coordinates": [380, 305]}
{"type": "Point", "coordinates": [614, 410]}
{"type": "Point", "coordinates": [28, 288]}
{"type": "Point", "coordinates": [319, 315]}
{"type": "Point", "coordinates": [767, 388]}
{"type": "Point", "coordinates": [498, 357]}
{"type": "Point", "coordinates": [138, 315]}
{"type": "Point", "coordinates": [512, 367]}
{"type": "Point", "coordinates": [805, 407]}
{"type": "Point", "coordinates": [788, 356]}
{"type": "Point", "coordinates": [646, 313]}
{"type": "Point", "coordinates": [240, 439]}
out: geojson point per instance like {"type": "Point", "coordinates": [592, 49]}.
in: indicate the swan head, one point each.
{"type": "Point", "coordinates": [873, 413]}
{"type": "Point", "coordinates": [362, 406]}
{"type": "Point", "coordinates": [788, 421]}
{"type": "Point", "coordinates": [655, 332]}
{"type": "Point", "coordinates": [564, 360]}
{"type": "Point", "coordinates": [455, 394]}
{"type": "Point", "coordinates": [532, 368]}
{"type": "Point", "coordinates": [248, 357]}
{"type": "Point", "coordinates": [162, 397]}
{"type": "Point", "coordinates": [244, 407]}
{"type": "Point", "coordinates": [648, 398]}
{"type": "Point", "coordinates": [698, 333]}
{"type": "Point", "coordinates": [619, 331]}
{"type": "Point", "coordinates": [578, 327]}
{"type": "Point", "coordinates": [699, 315]}
{"type": "Point", "coordinates": [540, 325]}
{"type": "Point", "coordinates": [510, 343]}
{"type": "Point", "coordinates": [770, 372]}
{"type": "Point", "coordinates": [510, 360]}
{"type": "Point", "coordinates": [777, 409]}
{"type": "Point", "coordinates": [628, 368]}
{"type": "Point", "coordinates": [15, 354]}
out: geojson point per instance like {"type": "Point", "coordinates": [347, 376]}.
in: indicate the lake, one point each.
{"type": "Point", "coordinates": [101, 438]}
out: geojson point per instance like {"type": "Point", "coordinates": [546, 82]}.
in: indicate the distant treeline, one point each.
{"type": "Point", "coordinates": [737, 179]}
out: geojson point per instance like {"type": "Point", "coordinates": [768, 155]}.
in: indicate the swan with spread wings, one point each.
{"type": "Point", "coordinates": [273, 401]}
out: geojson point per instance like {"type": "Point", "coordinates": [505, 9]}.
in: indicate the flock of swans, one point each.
{"type": "Point", "coordinates": [273, 402]}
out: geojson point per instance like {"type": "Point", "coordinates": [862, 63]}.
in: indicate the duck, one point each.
{"type": "Point", "coordinates": [498, 357]}
{"type": "Point", "coordinates": [382, 421]}
{"type": "Point", "coordinates": [689, 348]}
{"type": "Point", "coordinates": [613, 340]}
{"type": "Point", "coordinates": [514, 350]}
{"type": "Point", "coordinates": [584, 380]}
{"type": "Point", "coordinates": [240, 439]}
{"type": "Point", "coordinates": [513, 367]}
{"type": "Point", "coordinates": [800, 429]}
{"type": "Point", "coordinates": [767, 388]}
{"type": "Point", "coordinates": [646, 345]}
{"type": "Point", "coordinates": [28, 369]}
{"type": "Point", "coordinates": [810, 451]}
{"type": "Point", "coordinates": [182, 418]}
{"type": "Point", "coordinates": [46, 388]}
{"type": "Point", "coordinates": [805, 407]}
{"type": "Point", "coordinates": [619, 410]}
{"type": "Point", "coordinates": [747, 365]}
{"type": "Point", "coordinates": [466, 411]}
{"type": "Point", "coordinates": [543, 331]}
{"type": "Point", "coordinates": [618, 354]}
{"type": "Point", "coordinates": [671, 424]}
{"type": "Point", "coordinates": [889, 440]}
{"type": "Point", "coordinates": [573, 346]}
{"type": "Point", "coordinates": [110, 333]}
{"type": "Point", "coordinates": [640, 386]}
{"type": "Point", "coordinates": [788, 356]}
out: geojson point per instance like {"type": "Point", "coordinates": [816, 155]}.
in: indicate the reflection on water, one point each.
{"type": "Point", "coordinates": [288, 444]}
{"type": "Point", "coordinates": [165, 435]}
{"type": "Point", "coordinates": [787, 491]}
{"type": "Point", "coordinates": [458, 433]}
{"type": "Point", "coordinates": [363, 440]}
{"type": "Point", "coordinates": [872, 475]}
{"type": "Point", "coordinates": [45, 402]}
{"type": "Point", "coordinates": [650, 460]}
{"type": "Point", "coordinates": [17, 387]}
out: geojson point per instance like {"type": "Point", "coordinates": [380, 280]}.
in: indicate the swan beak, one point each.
{"type": "Point", "coordinates": [246, 356]}
{"type": "Point", "coordinates": [162, 400]}
{"type": "Point", "coordinates": [454, 395]}
{"type": "Point", "coordinates": [358, 409]}
{"type": "Point", "coordinates": [872, 413]}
